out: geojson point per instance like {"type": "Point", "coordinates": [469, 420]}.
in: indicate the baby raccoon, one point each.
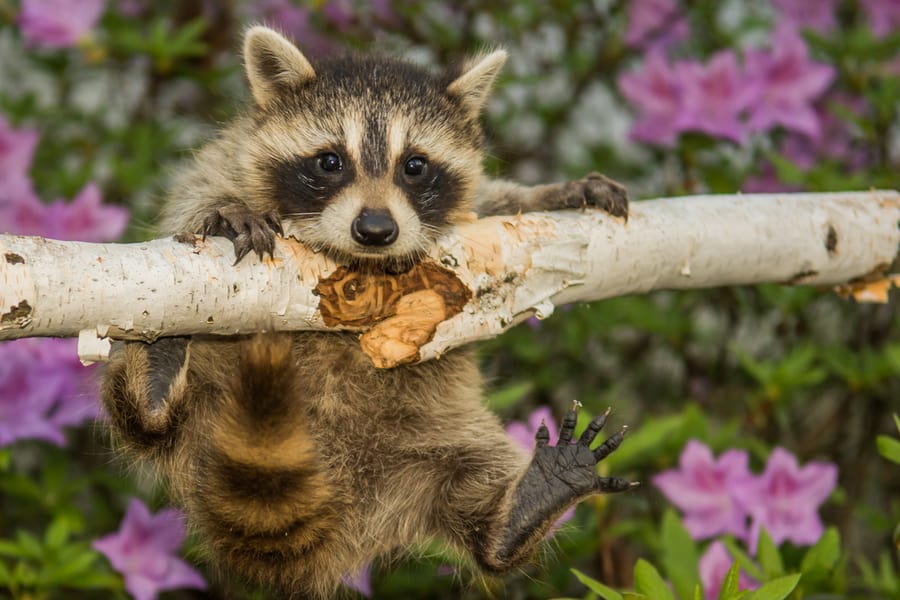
{"type": "Point", "coordinates": [295, 459]}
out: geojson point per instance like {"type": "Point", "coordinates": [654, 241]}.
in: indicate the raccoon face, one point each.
{"type": "Point", "coordinates": [366, 159]}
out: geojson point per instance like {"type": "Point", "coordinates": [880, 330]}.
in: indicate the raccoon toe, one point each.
{"type": "Point", "coordinates": [248, 230]}
{"type": "Point", "coordinates": [602, 192]}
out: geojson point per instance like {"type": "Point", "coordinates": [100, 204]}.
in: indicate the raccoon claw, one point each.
{"type": "Point", "coordinates": [599, 191]}
{"type": "Point", "coordinates": [247, 229]}
{"type": "Point", "coordinates": [558, 476]}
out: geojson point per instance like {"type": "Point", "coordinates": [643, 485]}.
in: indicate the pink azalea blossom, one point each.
{"type": "Point", "coordinates": [294, 21]}
{"type": "Point", "coordinates": [657, 93]}
{"type": "Point", "coordinates": [785, 499]}
{"type": "Point", "coordinates": [714, 565]}
{"type": "Point", "coordinates": [43, 388]}
{"type": "Point", "coordinates": [788, 83]}
{"type": "Point", "coordinates": [655, 24]}
{"type": "Point", "coordinates": [702, 487]}
{"type": "Point", "coordinates": [85, 218]}
{"type": "Point", "coordinates": [16, 151]}
{"type": "Point", "coordinates": [523, 435]}
{"type": "Point", "coordinates": [883, 16]}
{"type": "Point", "coordinates": [361, 581]}
{"type": "Point", "coordinates": [814, 14]}
{"type": "Point", "coordinates": [143, 551]}
{"type": "Point", "coordinates": [58, 23]}
{"type": "Point", "coordinates": [715, 96]}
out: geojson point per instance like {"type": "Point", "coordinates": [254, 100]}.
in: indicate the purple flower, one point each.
{"type": "Point", "coordinates": [655, 24]}
{"type": "Point", "coordinates": [715, 96]}
{"type": "Point", "coordinates": [143, 551]}
{"type": "Point", "coordinates": [703, 489]}
{"type": "Point", "coordinates": [16, 151]}
{"type": "Point", "coordinates": [294, 21]}
{"type": "Point", "coordinates": [656, 91]}
{"type": "Point", "coordinates": [766, 182]}
{"type": "Point", "coordinates": [85, 218]}
{"type": "Point", "coordinates": [714, 565]}
{"type": "Point", "coordinates": [788, 82]}
{"type": "Point", "coordinates": [785, 499]}
{"type": "Point", "coordinates": [43, 388]}
{"type": "Point", "coordinates": [883, 15]}
{"type": "Point", "coordinates": [361, 581]}
{"type": "Point", "coordinates": [523, 435]}
{"type": "Point", "coordinates": [58, 23]}
{"type": "Point", "coordinates": [814, 14]}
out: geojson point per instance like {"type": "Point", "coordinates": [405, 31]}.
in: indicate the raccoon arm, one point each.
{"type": "Point", "coordinates": [502, 197]}
{"type": "Point", "coordinates": [142, 390]}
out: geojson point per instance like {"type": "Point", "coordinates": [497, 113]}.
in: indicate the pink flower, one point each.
{"type": "Point", "coordinates": [788, 82]}
{"type": "Point", "coordinates": [84, 219]}
{"type": "Point", "coordinates": [785, 499]}
{"type": "Point", "coordinates": [703, 489]}
{"type": "Point", "coordinates": [523, 435]}
{"type": "Point", "coordinates": [361, 581]}
{"type": "Point", "coordinates": [714, 565]}
{"type": "Point", "coordinates": [43, 388]}
{"type": "Point", "coordinates": [814, 14]}
{"type": "Point", "coordinates": [294, 21]}
{"type": "Point", "coordinates": [715, 96]}
{"type": "Point", "coordinates": [58, 23]}
{"type": "Point", "coordinates": [657, 93]}
{"type": "Point", "coordinates": [883, 15]}
{"type": "Point", "coordinates": [16, 151]}
{"type": "Point", "coordinates": [143, 551]}
{"type": "Point", "coordinates": [655, 24]}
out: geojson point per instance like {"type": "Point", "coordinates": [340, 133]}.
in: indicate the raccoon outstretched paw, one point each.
{"type": "Point", "coordinates": [559, 476]}
{"type": "Point", "coordinates": [594, 190]}
{"type": "Point", "coordinates": [247, 229]}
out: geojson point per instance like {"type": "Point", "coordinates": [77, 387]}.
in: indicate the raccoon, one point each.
{"type": "Point", "coordinates": [295, 459]}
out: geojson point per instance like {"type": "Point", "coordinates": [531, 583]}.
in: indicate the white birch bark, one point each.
{"type": "Point", "coordinates": [481, 279]}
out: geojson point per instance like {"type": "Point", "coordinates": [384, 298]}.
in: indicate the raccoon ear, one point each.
{"type": "Point", "coordinates": [272, 63]}
{"type": "Point", "coordinates": [473, 86]}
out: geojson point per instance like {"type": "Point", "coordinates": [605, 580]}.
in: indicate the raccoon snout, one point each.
{"type": "Point", "coordinates": [374, 228]}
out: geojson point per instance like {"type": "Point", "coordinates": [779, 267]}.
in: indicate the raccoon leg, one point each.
{"type": "Point", "coordinates": [500, 197]}
{"type": "Point", "coordinates": [247, 229]}
{"type": "Point", "coordinates": [525, 509]}
{"type": "Point", "coordinates": [143, 389]}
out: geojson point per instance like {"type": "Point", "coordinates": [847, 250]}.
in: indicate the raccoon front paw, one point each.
{"type": "Point", "coordinates": [593, 190]}
{"type": "Point", "coordinates": [247, 229]}
{"type": "Point", "coordinates": [558, 476]}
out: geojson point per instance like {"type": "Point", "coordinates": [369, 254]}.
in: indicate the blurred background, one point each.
{"type": "Point", "coordinates": [99, 100]}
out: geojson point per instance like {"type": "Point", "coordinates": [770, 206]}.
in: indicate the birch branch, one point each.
{"type": "Point", "coordinates": [481, 279]}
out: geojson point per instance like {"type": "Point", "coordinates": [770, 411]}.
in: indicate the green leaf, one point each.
{"type": "Point", "coordinates": [777, 589]}
{"type": "Point", "coordinates": [746, 563]}
{"type": "Point", "coordinates": [647, 581]}
{"type": "Point", "coordinates": [95, 580]}
{"type": "Point", "coordinates": [29, 544]}
{"type": "Point", "coordinates": [768, 556]}
{"type": "Point", "coordinates": [505, 397]}
{"type": "Point", "coordinates": [679, 557]}
{"type": "Point", "coordinates": [57, 534]}
{"type": "Point", "coordinates": [729, 586]}
{"type": "Point", "coordinates": [595, 586]}
{"type": "Point", "coordinates": [825, 554]}
{"type": "Point", "coordinates": [889, 448]}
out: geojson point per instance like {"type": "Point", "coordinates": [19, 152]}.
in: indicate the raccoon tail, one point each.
{"type": "Point", "coordinates": [260, 495]}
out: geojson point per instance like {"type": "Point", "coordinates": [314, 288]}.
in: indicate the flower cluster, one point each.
{"type": "Point", "coordinates": [721, 496]}
{"type": "Point", "coordinates": [727, 97]}
{"type": "Point", "coordinates": [43, 386]}
{"type": "Point", "coordinates": [58, 23]}
{"type": "Point", "coordinates": [144, 552]}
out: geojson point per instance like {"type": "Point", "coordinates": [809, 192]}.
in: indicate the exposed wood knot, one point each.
{"type": "Point", "coordinates": [20, 313]}
{"type": "Point", "coordinates": [14, 259]}
{"type": "Point", "coordinates": [831, 240]}
{"type": "Point", "coordinates": [403, 310]}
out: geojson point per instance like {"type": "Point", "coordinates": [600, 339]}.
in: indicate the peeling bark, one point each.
{"type": "Point", "coordinates": [481, 279]}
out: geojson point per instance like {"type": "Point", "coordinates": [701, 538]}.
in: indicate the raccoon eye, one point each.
{"type": "Point", "coordinates": [329, 161]}
{"type": "Point", "coordinates": [415, 166]}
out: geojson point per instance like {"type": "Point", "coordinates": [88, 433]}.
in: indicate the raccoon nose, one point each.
{"type": "Point", "coordinates": [374, 228]}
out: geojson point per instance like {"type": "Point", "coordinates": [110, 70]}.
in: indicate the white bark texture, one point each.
{"type": "Point", "coordinates": [481, 279]}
